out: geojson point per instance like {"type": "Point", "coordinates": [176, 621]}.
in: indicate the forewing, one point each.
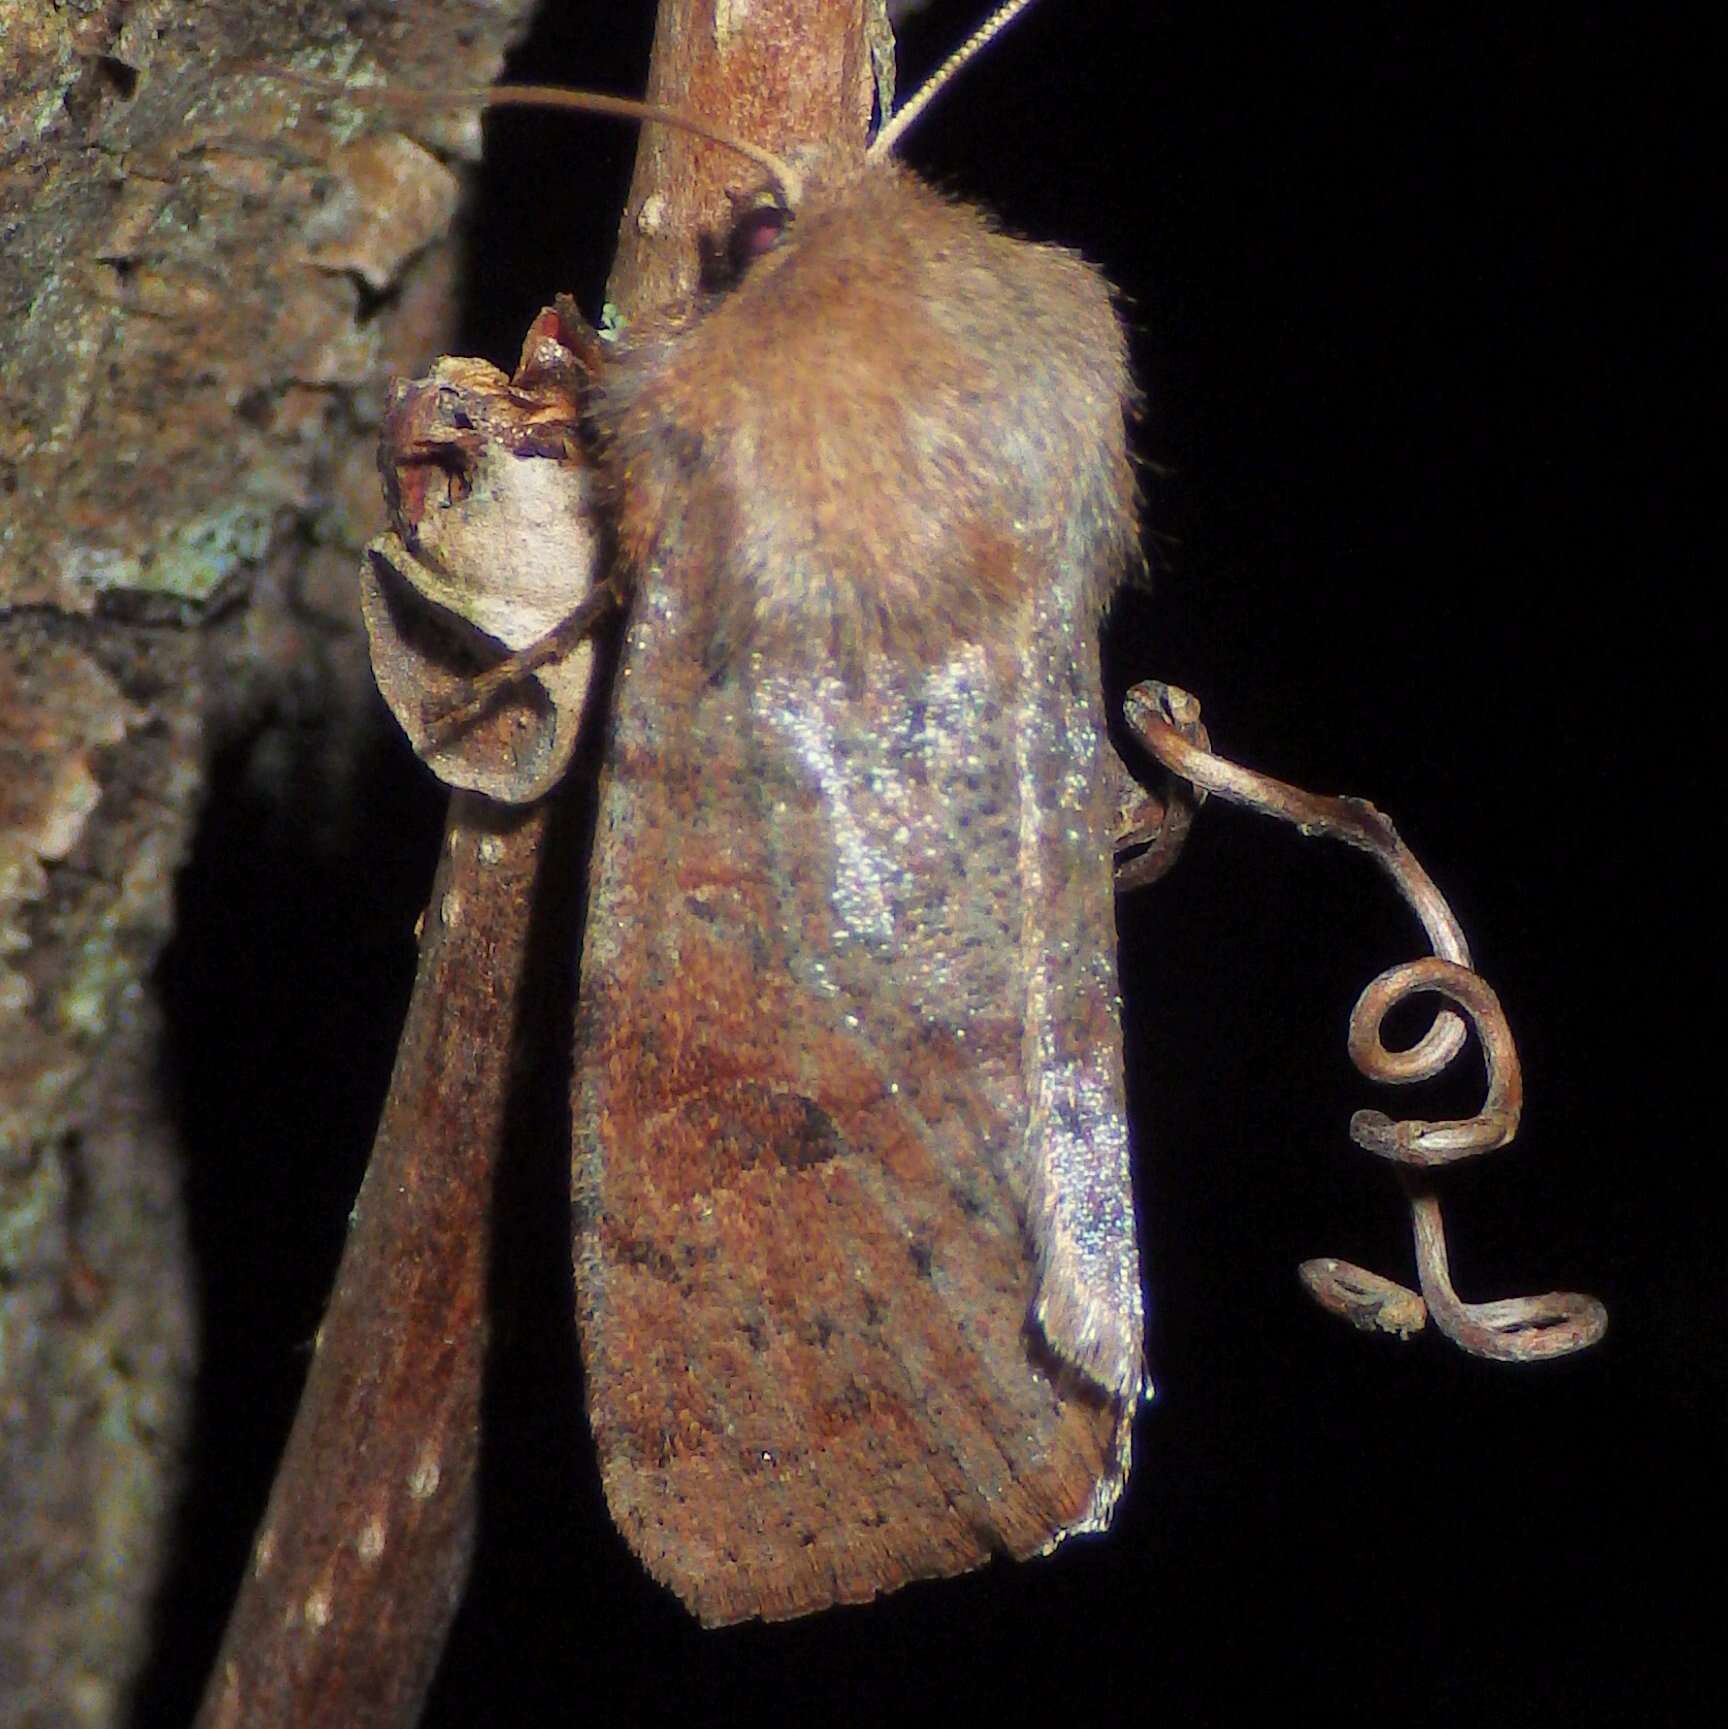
{"type": "Point", "coordinates": [858, 1290]}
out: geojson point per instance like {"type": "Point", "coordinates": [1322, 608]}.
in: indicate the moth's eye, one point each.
{"type": "Point", "coordinates": [756, 232]}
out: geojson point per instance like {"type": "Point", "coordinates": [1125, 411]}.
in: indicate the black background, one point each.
{"type": "Point", "coordinates": [1408, 294]}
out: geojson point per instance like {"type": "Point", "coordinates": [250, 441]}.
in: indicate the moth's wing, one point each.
{"type": "Point", "coordinates": [850, 1158]}
{"type": "Point", "coordinates": [1088, 1304]}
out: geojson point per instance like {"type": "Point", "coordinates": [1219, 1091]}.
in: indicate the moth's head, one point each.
{"type": "Point", "coordinates": [796, 186]}
{"type": "Point", "coordinates": [805, 180]}
{"type": "Point", "coordinates": [761, 223]}
{"type": "Point", "coordinates": [767, 216]}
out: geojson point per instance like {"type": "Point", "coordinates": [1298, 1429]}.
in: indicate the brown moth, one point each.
{"type": "Point", "coordinates": [858, 1285]}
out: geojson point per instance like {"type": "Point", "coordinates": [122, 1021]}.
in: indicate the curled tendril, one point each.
{"type": "Point", "coordinates": [1418, 1143]}
{"type": "Point", "coordinates": [1513, 1329]}
{"type": "Point", "coordinates": [1152, 827]}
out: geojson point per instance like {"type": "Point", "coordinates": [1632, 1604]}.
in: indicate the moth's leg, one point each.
{"type": "Point", "coordinates": [1518, 1329]}
{"type": "Point", "coordinates": [447, 720]}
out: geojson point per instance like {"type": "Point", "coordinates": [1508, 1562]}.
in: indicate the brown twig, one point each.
{"type": "Point", "coordinates": [357, 1567]}
{"type": "Point", "coordinates": [1516, 1329]}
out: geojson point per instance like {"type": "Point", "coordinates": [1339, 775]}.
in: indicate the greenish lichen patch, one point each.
{"type": "Point", "coordinates": [192, 563]}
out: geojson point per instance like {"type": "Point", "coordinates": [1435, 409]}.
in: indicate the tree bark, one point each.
{"type": "Point", "coordinates": [205, 282]}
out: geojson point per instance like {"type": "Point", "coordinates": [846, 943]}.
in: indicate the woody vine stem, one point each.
{"type": "Point", "coordinates": [1513, 1329]}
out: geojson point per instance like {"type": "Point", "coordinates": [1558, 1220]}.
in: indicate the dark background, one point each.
{"type": "Point", "coordinates": [1408, 293]}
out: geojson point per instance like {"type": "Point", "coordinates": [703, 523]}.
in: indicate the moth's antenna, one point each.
{"type": "Point", "coordinates": [895, 128]}
{"type": "Point", "coordinates": [536, 96]}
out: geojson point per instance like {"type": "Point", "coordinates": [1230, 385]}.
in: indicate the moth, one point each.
{"type": "Point", "coordinates": [858, 1282]}
{"type": "Point", "coordinates": [860, 1294]}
